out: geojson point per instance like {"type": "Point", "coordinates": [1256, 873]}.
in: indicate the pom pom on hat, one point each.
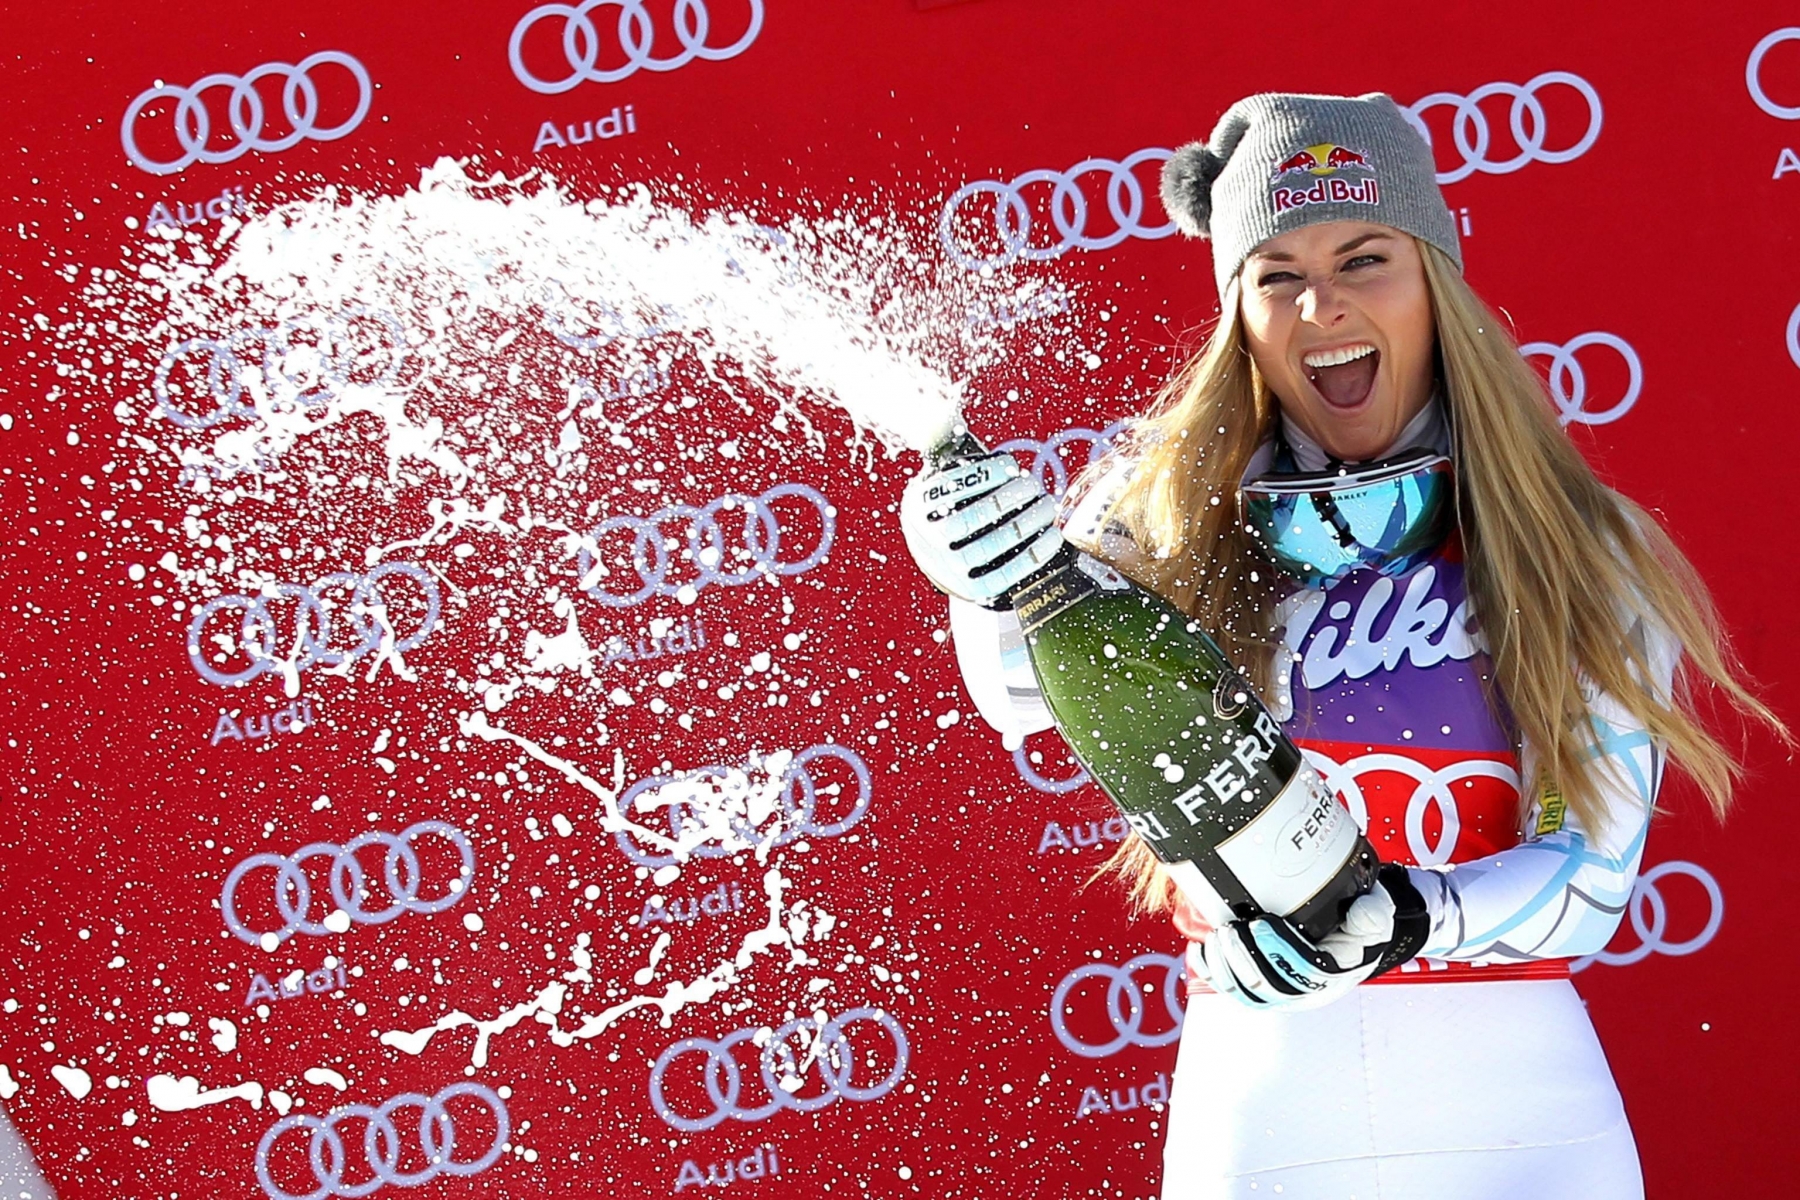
{"type": "Point", "coordinates": [1187, 181]}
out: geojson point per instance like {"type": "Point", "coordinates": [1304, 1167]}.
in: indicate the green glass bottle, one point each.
{"type": "Point", "coordinates": [1185, 748]}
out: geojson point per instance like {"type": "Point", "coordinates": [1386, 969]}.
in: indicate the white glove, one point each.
{"type": "Point", "coordinates": [1268, 962]}
{"type": "Point", "coordinates": [979, 528]}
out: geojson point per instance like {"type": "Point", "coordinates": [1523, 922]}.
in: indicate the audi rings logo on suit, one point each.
{"type": "Point", "coordinates": [245, 109]}
{"type": "Point", "coordinates": [435, 1138]}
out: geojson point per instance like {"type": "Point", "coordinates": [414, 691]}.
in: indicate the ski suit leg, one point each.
{"type": "Point", "coordinates": [1459, 1091]}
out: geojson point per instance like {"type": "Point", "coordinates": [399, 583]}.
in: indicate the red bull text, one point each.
{"type": "Point", "coordinates": [1333, 190]}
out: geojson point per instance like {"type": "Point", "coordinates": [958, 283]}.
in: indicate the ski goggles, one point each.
{"type": "Point", "coordinates": [1318, 526]}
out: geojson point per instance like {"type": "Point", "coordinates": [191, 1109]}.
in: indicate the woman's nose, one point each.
{"type": "Point", "coordinates": [1319, 304]}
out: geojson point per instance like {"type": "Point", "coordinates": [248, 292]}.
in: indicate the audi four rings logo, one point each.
{"type": "Point", "coordinates": [1568, 385]}
{"type": "Point", "coordinates": [1055, 787]}
{"type": "Point", "coordinates": [244, 107]}
{"type": "Point", "coordinates": [1047, 455]}
{"type": "Point", "coordinates": [799, 816]}
{"type": "Point", "coordinates": [1793, 335]}
{"type": "Point", "coordinates": [307, 360]}
{"type": "Point", "coordinates": [653, 551]}
{"type": "Point", "coordinates": [259, 640]}
{"type": "Point", "coordinates": [1125, 1007]}
{"type": "Point", "coordinates": [584, 46]}
{"type": "Point", "coordinates": [401, 871]}
{"type": "Point", "coordinates": [1125, 205]}
{"type": "Point", "coordinates": [1528, 123]}
{"type": "Point", "coordinates": [382, 1144]}
{"type": "Point", "coordinates": [1753, 74]}
{"type": "Point", "coordinates": [1648, 913]}
{"type": "Point", "coordinates": [783, 1071]}
{"type": "Point", "coordinates": [1433, 789]}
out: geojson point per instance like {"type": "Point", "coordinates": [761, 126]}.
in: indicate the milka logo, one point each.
{"type": "Point", "coordinates": [1424, 631]}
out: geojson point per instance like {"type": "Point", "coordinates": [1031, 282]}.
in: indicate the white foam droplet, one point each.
{"type": "Point", "coordinates": [77, 1082]}
{"type": "Point", "coordinates": [320, 1076]}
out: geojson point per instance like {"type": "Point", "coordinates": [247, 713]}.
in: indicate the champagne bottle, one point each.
{"type": "Point", "coordinates": [1186, 750]}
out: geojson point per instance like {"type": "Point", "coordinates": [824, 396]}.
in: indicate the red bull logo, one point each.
{"type": "Point", "coordinates": [1321, 162]}
{"type": "Point", "coordinates": [1326, 158]}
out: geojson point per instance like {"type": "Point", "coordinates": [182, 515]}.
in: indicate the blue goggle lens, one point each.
{"type": "Point", "coordinates": [1317, 528]}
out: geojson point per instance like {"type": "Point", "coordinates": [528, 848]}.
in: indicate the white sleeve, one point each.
{"type": "Point", "coordinates": [990, 647]}
{"type": "Point", "coordinates": [1562, 891]}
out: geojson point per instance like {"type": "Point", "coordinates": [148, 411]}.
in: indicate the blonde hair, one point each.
{"type": "Point", "coordinates": [1559, 566]}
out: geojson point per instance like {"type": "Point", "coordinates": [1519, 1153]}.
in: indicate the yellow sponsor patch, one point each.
{"type": "Point", "coordinates": [1551, 810]}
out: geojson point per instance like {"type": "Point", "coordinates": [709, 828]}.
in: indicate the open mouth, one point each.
{"type": "Point", "coordinates": [1343, 378]}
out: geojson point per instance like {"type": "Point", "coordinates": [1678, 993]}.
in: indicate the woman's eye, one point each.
{"type": "Point", "coordinates": [1274, 277]}
{"type": "Point", "coordinates": [1365, 258]}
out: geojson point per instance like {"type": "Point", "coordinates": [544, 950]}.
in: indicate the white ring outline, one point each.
{"type": "Point", "coordinates": [1571, 400]}
{"type": "Point", "coordinates": [1431, 786]}
{"type": "Point", "coordinates": [191, 111]}
{"type": "Point", "coordinates": [1125, 204]}
{"type": "Point", "coordinates": [400, 871]}
{"type": "Point", "coordinates": [1524, 100]}
{"type": "Point", "coordinates": [1124, 1005]}
{"type": "Point", "coordinates": [1753, 74]}
{"type": "Point", "coordinates": [799, 800]}
{"type": "Point", "coordinates": [651, 556]}
{"type": "Point", "coordinates": [839, 1081]}
{"type": "Point", "coordinates": [636, 35]}
{"type": "Point", "coordinates": [437, 1138]}
{"type": "Point", "coordinates": [1646, 895]}
{"type": "Point", "coordinates": [311, 645]}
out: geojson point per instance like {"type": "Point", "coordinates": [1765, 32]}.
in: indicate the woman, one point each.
{"type": "Point", "coordinates": [1495, 705]}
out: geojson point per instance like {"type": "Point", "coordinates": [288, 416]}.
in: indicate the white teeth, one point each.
{"type": "Point", "coordinates": [1333, 358]}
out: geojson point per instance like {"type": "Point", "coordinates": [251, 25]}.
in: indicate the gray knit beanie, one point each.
{"type": "Point", "coordinates": [1280, 160]}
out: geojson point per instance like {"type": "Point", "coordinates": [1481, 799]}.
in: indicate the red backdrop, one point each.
{"type": "Point", "coordinates": [1626, 190]}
